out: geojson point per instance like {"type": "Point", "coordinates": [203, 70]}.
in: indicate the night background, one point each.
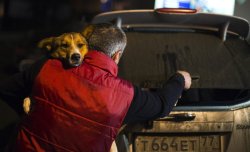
{"type": "Point", "coordinates": [25, 22]}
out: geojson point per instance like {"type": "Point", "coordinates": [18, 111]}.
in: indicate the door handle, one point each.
{"type": "Point", "coordinates": [180, 117]}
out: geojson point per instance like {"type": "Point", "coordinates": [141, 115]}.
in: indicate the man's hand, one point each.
{"type": "Point", "coordinates": [187, 77]}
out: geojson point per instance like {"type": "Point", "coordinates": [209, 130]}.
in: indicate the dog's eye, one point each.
{"type": "Point", "coordinates": [65, 45]}
{"type": "Point", "coordinates": [79, 45]}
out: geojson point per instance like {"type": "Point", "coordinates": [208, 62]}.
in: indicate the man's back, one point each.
{"type": "Point", "coordinates": [77, 107]}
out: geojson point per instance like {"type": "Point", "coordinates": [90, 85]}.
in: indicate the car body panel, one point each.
{"type": "Point", "coordinates": [240, 137]}
{"type": "Point", "coordinates": [203, 122]}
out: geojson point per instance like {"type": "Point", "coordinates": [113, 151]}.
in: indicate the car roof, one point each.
{"type": "Point", "coordinates": [206, 21]}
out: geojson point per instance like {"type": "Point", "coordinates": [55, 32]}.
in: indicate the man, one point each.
{"type": "Point", "coordinates": [82, 108]}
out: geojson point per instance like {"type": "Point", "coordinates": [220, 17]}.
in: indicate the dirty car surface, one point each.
{"type": "Point", "coordinates": [214, 115]}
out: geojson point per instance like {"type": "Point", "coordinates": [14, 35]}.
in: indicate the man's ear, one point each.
{"type": "Point", "coordinates": [46, 43]}
{"type": "Point", "coordinates": [87, 31]}
{"type": "Point", "coordinates": [116, 57]}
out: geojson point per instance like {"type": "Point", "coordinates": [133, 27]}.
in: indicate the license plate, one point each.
{"type": "Point", "coordinates": [209, 143]}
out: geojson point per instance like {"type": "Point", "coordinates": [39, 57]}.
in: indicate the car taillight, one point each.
{"type": "Point", "coordinates": [176, 10]}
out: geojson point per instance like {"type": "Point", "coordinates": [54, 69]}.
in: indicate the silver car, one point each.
{"type": "Point", "coordinates": [214, 115]}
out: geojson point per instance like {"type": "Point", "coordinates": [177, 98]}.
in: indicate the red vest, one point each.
{"type": "Point", "coordinates": [78, 109]}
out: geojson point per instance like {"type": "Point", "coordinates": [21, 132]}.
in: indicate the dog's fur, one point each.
{"type": "Point", "coordinates": [70, 48]}
{"type": "Point", "coordinates": [66, 47]}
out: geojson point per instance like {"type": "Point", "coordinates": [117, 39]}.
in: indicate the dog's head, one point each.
{"type": "Point", "coordinates": [68, 47]}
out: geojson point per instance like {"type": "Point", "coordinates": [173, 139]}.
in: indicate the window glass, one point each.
{"type": "Point", "coordinates": [220, 70]}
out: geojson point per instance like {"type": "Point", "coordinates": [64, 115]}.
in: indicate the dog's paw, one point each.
{"type": "Point", "coordinates": [26, 105]}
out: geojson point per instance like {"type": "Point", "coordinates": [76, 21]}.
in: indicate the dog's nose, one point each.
{"type": "Point", "coordinates": [75, 57]}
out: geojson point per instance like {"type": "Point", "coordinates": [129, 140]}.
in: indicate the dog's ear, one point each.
{"type": "Point", "coordinates": [87, 31]}
{"type": "Point", "coordinates": [46, 43]}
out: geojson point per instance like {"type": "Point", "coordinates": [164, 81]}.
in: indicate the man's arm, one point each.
{"type": "Point", "coordinates": [149, 105]}
{"type": "Point", "coordinates": [14, 89]}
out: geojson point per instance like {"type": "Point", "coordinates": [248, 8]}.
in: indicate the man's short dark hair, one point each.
{"type": "Point", "coordinates": [107, 38]}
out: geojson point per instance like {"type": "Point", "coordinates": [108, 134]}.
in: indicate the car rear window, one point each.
{"type": "Point", "coordinates": [220, 70]}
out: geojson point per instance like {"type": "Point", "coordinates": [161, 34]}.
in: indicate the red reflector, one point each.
{"type": "Point", "coordinates": [175, 10]}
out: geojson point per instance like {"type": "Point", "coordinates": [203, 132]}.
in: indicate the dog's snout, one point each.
{"type": "Point", "coordinates": [75, 57]}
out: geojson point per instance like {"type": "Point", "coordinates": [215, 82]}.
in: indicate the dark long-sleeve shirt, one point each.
{"type": "Point", "coordinates": [146, 105]}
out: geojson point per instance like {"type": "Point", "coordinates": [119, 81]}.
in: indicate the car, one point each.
{"type": "Point", "coordinates": [212, 116]}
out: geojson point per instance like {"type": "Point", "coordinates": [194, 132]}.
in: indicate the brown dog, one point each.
{"type": "Point", "coordinates": [70, 48]}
